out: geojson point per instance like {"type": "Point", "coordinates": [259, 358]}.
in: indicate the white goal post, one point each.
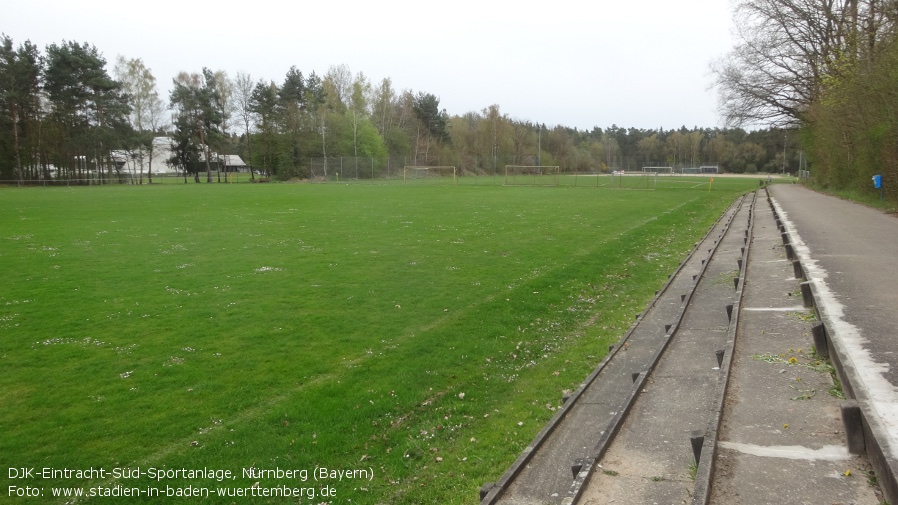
{"type": "Point", "coordinates": [635, 180]}
{"type": "Point", "coordinates": [435, 173]}
{"type": "Point", "coordinates": [531, 175]}
{"type": "Point", "coordinates": [658, 170]}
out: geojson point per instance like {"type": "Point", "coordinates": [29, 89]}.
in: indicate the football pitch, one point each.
{"type": "Point", "coordinates": [329, 343]}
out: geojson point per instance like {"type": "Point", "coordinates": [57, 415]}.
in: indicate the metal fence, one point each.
{"type": "Point", "coordinates": [339, 168]}
{"type": "Point", "coordinates": [135, 179]}
{"type": "Point", "coordinates": [469, 170]}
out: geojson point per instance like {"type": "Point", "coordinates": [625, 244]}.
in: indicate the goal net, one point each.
{"type": "Point", "coordinates": [634, 180]}
{"type": "Point", "coordinates": [431, 175]}
{"type": "Point", "coordinates": [704, 169]}
{"type": "Point", "coordinates": [658, 170]}
{"type": "Point", "coordinates": [529, 175]}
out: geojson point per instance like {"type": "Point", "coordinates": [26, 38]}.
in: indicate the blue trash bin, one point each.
{"type": "Point", "coordinates": [877, 181]}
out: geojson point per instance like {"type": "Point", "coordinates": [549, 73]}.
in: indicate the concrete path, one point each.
{"type": "Point", "coordinates": [781, 438]}
{"type": "Point", "coordinates": [850, 256]}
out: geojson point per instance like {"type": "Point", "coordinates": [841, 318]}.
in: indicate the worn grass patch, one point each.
{"type": "Point", "coordinates": [416, 336]}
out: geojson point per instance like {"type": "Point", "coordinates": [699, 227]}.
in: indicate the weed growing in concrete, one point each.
{"type": "Point", "coordinates": [725, 278]}
{"type": "Point", "coordinates": [836, 389]}
{"type": "Point", "coordinates": [808, 316]}
{"type": "Point", "coordinates": [693, 470]}
{"type": "Point", "coordinates": [806, 394]}
{"type": "Point", "coordinates": [823, 364]}
{"type": "Point", "coordinates": [813, 362]}
{"type": "Point", "coordinates": [872, 480]}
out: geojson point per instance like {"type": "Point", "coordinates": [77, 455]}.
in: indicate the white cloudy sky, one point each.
{"type": "Point", "coordinates": [578, 63]}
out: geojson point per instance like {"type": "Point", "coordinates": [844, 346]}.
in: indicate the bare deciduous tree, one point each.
{"type": "Point", "coordinates": [383, 105]}
{"type": "Point", "coordinates": [225, 93]}
{"type": "Point", "coordinates": [242, 86]}
{"type": "Point", "coordinates": [147, 108]}
{"type": "Point", "coordinates": [786, 49]}
{"type": "Point", "coordinates": [340, 79]}
{"type": "Point", "coordinates": [358, 108]}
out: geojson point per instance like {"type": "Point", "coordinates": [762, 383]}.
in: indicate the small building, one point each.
{"type": "Point", "coordinates": [234, 163]}
{"type": "Point", "coordinates": [140, 162]}
{"type": "Point", "coordinates": [136, 164]}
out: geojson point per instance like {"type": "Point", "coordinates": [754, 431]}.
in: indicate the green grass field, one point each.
{"type": "Point", "coordinates": [415, 338]}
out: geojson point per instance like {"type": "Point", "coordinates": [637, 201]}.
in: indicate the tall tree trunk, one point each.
{"type": "Point", "coordinates": [199, 129]}
{"type": "Point", "coordinates": [324, 141]}
{"type": "Point", "coordinates": [249, 152]}
{"type": "Point", "coordinates": [150, 166]}
{"type": "Point", "coordinates": [417, 143]}
{"type": "Point", "coordinates": [15, 129]}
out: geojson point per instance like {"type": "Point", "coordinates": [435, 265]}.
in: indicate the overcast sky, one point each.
{"type": "Point", "coordinates": [578, 63]}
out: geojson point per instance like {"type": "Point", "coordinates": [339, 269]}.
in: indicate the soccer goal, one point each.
{"type": "Point", "coordinates": [529, 175]}
{"type": "Point", "coordinates": [634, 180]}
{"type": "Point", "coordinates": [658, 170]}
{"type": "Point", "coordinates": [434, 175]}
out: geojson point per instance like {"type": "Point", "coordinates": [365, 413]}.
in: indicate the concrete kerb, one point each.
{"type": "Point", "coordinates": [617, 421]}
{"type": "Point", "coordinates": [863, 430]}
{"type": "Point", "coordinates": [701, 493]}
{"type": "Point", "coordinates": [491, 492]}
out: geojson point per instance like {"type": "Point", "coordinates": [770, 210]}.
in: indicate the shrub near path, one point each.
{"type": "Point", "coordinates": [410, 340]}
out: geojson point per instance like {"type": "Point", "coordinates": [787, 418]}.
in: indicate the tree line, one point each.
{"type": "Point", "coordinates": [826, 70]}
{"type": "Point", "coordinates": [65, 117]}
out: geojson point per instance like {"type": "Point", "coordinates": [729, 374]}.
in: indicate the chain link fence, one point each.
{"type": "Point", "coordinates": [471, 170]}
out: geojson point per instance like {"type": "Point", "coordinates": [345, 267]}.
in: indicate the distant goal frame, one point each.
{"type": "Point", "coordinates": [650, 179]}
{"type": "Point", "coordinates": [407, 168]}
{"type": "Point", "coordinates": [550, 171]}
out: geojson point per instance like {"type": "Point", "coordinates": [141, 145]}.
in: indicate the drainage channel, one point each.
{"type": "Point", "coordinates": [558, 464]}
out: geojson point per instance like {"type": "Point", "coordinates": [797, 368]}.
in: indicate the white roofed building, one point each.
{"type": "Point", "coordinates": [139, 163]}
